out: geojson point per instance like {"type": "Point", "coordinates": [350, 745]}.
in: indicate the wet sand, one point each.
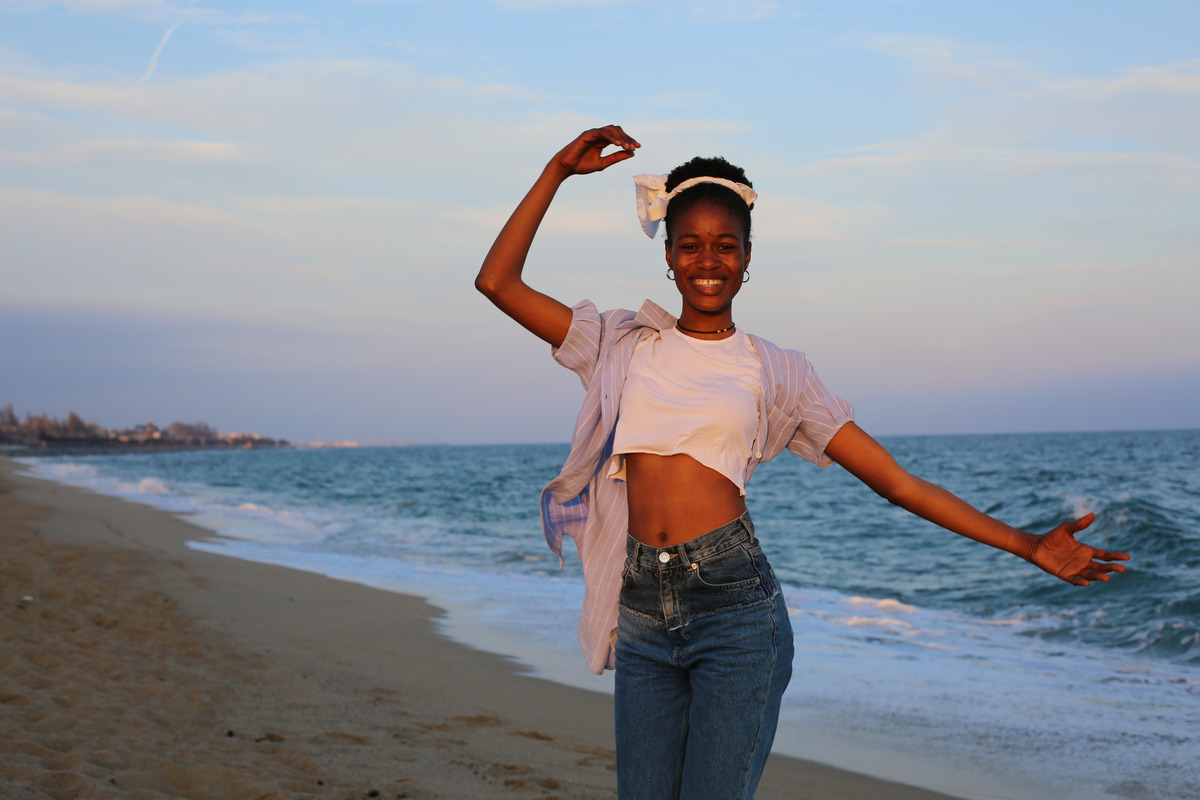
{"type": "Point", "coordinates": [132, 666]}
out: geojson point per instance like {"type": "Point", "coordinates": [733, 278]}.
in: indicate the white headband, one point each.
{"type": "Point", "coordinates": [653, 197]}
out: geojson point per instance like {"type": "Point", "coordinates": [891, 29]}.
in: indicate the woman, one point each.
{"type": "Point", "coordinates": [678, 412]}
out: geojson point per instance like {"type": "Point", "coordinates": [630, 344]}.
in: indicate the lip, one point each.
{"type": "Point", "coordinates": [708, 284]}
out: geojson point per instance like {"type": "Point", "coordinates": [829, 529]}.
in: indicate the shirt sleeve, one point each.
{"type": "Point", "coordinates": [821, 416]}
{"type": "Point", "coordinates": [580, 350]}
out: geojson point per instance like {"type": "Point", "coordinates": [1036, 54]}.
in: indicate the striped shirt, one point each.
{"type": "Point", "coordinates": [801, 416]}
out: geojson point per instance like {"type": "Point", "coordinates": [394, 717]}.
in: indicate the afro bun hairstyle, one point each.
{"type": "Point", "coordinates": [716, 167]}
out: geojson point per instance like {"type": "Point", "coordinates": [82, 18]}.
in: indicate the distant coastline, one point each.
{"type": "Point", "coordinates": [39, 434]}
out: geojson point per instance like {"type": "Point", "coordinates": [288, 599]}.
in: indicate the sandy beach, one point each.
{"type": "Point", "coordinates": [132, 666]}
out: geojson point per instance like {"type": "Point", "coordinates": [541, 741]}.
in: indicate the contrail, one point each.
{"type": "Point", "coordinates": [158, 51]}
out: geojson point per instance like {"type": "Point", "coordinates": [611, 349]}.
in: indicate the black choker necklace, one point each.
{"type": "Point", "coordinates": [689, 330]}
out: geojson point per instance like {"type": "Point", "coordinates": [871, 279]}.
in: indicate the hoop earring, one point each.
{"type": "Point", "coordinates": [671, 274]}
{"type": "Point", "coordinates": [745, 276]}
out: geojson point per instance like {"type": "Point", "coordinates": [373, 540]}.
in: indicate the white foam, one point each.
{"type": "Point", "coordinates": [150, 486]}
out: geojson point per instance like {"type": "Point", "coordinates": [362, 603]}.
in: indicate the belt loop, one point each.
{"type": "Point", "coordinates": [637, 554]}
{"type": "Point", "coordinates": [744, 518]}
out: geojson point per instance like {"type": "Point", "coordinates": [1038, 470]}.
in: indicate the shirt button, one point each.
{"type": "Point", "coordinates": [664, 557]}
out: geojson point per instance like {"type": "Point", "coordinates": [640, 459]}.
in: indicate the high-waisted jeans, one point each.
{"type": "Point", "coordinates": [704, 652]}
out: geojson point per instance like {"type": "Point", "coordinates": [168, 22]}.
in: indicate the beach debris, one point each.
{"type": "Point", "coordinates": [534, 735]}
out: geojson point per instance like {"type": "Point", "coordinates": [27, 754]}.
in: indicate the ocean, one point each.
{"type": "Point", "coordinates": [920, 657]}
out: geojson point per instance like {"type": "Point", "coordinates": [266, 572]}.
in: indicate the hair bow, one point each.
{"type": "Point", "coordinates": [653, 197]}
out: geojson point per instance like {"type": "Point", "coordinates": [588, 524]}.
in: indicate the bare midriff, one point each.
{"type": "Point", "coordinates": [674, 499]}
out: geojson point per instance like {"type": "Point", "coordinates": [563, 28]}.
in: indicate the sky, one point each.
{"type": "Point", "coordinates": [267, 216]}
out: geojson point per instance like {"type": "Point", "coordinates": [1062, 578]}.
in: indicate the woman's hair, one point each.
{"type": "Point", "coordinates": [711, 192]}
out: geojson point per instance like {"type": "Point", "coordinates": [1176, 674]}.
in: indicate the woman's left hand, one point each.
{"type": "Point", "coordinates": [1058, 553]}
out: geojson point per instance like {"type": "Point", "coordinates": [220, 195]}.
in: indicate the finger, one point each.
{"type": "Point", "coordinates": [1077, 525]}
{"type": "Point", "coordinates": [1096, 571]}
{"type": "Point", "coordinates": [1109, 555]}
{"type": "Point", "coordinates": [617, 135]}
{"type": "Point", "coordinates": [612, 158]}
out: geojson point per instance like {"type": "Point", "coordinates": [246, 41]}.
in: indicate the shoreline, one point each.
{"type": "Point", "coordinates": [137, 666]}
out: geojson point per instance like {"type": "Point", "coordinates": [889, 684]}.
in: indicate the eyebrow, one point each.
{"type": "Point", "coordinates": [719, 235]}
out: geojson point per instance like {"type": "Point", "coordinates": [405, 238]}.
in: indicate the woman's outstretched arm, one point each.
{"type": "Point", "coordinates": [1056, 552]}
{"type": "Point", "coordinates": [500, 276]}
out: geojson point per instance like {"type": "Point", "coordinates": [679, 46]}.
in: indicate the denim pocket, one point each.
{"type": "Point", "coordinates": [735, 578]}
{"type": "Point", "coordinates": [731, 569]}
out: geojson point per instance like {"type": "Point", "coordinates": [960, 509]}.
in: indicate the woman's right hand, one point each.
{"type": "Point", "coordinates": [500, 277]}
{"type": "Point", "coordinates": [585, 154]}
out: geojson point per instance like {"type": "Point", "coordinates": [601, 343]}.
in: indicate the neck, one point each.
{"type": "Point", "coordinates": [727, 328]}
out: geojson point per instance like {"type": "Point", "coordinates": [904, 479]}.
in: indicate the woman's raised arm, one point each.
{"type": "Point", "coordinates": [500, 276]}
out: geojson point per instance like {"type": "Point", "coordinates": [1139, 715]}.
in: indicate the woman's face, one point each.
{"type": "Point", "coordinates": [709, 254]}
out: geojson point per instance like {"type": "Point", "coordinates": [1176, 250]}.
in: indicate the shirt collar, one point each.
{"type": "Point", "coordinates": [653, 316]}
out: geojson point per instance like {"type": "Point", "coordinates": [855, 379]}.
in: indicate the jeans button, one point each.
{"type": "Point", "coordinates": [664, 557]}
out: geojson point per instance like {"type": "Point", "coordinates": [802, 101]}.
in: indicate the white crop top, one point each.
{"type": "Point", "coordinates": [692, 396]}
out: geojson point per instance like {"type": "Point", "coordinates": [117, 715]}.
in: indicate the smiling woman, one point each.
{"type": "Point", "coordinates": [708, 242]}
{"type": "Point", "coordinates": [680, 598]}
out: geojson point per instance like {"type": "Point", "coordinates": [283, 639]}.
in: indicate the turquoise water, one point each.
{"type": "Point", "coordinates": [920, 656]}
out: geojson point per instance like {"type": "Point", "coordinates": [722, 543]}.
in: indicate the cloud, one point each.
{"type": "Point", "coordinates": [1180, 80]}
{"type": "Point", "coordinates": [978, 244]}
{"type": "Point", "coordinates": [146, 10]}
{"type": "Point", "coordinates": [344, 260]}
{"type": "Point", "coordinates": [697, 11]}
{"type": "Point", "coordinates": [799, 220]}
{"type": "Point", "coordinates": [157, 52]}
{"type": "Point", "coordinates": [1162, 172]}
{"type": "Point", "coordinates": [949, 65]}
{"type": "Point", "coordinates": [131, 152]}
{"type": "Point", "coordinates": [725, 11]}
{"type": "Point", "coordinates": [111, 5]}
{"type": "Point", "coordinates": [299, 125]}
{"type": "Point", "coordinates": [1150, 107]}
{"type": "Point", "coordinates": [992, 99]}
{"type": "Point", "coordinates": [992, 117]}
{"type": "Point", "coordinates": [89, 5]}
{"type": "Point", "coordinates": [555, 5]}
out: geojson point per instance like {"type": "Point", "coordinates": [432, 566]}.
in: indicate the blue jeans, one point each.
{"type": "Point", "coordinates": [704, 652]}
